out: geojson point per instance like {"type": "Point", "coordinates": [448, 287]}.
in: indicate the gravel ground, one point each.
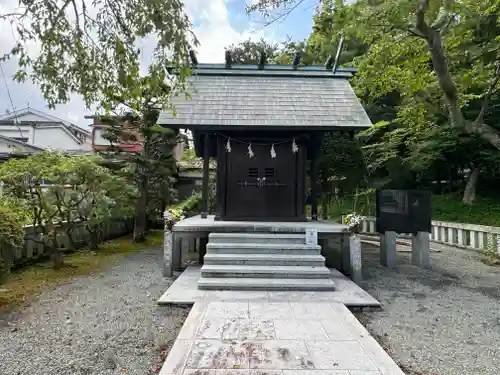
{"type": "Point", "coordinates": [443, 321]}
{"type": "Point", "coordinates": [95, 323]}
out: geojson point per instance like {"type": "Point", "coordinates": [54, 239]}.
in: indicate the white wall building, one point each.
{"type": "Point", "coordinates": [44, 131]}
{"type": "Point", "coordinates": [10, 146]}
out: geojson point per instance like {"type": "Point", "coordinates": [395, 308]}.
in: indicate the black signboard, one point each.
{"type": "Point", "coordinates": [403, 211]}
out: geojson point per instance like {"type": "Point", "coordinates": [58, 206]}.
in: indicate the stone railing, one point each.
{"type": "Point", "coordinates": [467, 236]}
{"type": "Point", "coordinates": [33, 248]}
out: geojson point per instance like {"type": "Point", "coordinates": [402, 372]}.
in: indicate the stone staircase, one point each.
{"type": "Point", "coordinates": [263, 261]}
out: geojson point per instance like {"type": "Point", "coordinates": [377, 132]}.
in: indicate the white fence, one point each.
{"type": "Point", "coordinates": [467, 236]}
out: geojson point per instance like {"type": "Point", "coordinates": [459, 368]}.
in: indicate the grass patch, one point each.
{"type": "Point", "coordinates": [27, 282]}
{"type": "Point", "coordinates": [484, 211]}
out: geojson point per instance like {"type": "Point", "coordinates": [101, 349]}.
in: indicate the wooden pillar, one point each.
{"type": "Point", "coordinates": [202, 249]}
{"type": "Point", "coordinates": [314, 177]}
{"type": "Point", "coordinates": [220, 179]}
{"type": "Point", "coordinates": [206, 166]}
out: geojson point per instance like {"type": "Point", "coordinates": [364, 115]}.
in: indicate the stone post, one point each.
{"type": "Point", "coordinates": [176, 251]}
{"type": "Point", "coordinates": [345, 254]}
{"type": "Point", "coordinates": [355, 257]}
{"type": "Point", "coordinates": [167, 253]}
{"type": "Point", "coordinates": [420, 250]}
{"type": "Point", "coordinates": [388, 249]}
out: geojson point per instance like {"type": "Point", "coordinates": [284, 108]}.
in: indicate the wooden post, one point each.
{"type": "Point", "coordinates": [202, 249]}
{"type": "Point", "coordinates": [206, 156]}
{"type": "Point", "coordinates": [220, 176]}
{"type": "Point", "coordinates": [314, 177]}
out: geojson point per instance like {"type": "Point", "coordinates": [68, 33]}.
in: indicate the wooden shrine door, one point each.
{"type": "Point", "coordinates": [262, 188]}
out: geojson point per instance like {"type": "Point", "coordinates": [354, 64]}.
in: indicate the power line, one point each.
{"type": "Point", "coordinates": [16, 121]}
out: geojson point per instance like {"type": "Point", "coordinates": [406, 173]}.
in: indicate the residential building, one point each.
{"type": "Point", "coordinates": [99, 143]}
{"type": "Point", "coordinates": [44, 131]}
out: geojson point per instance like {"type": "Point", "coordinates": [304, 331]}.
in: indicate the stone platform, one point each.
{"type": "Point", "coordinates": [283, 338]}
{"type": "Point", "coordinates": [185, 291]}
{"type": "Point", "coordinates": [194, 232]}
{"type": "Point", "coordinates": [198, 224]}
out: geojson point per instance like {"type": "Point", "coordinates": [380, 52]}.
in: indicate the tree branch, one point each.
{"type": "Point", "coordinates": [487, 96]}
{"type": "Point", "coordinates": [421, 24]}
{"type": "Point", "coordinates": [265, 10]}
{"type": "Point", "coordinates": [442, 19]}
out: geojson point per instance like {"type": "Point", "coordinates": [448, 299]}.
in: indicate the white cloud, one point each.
{"type": "Point", "coordinates": [215, 31]}
{"type": "Point", "coordinates": [212, 28]}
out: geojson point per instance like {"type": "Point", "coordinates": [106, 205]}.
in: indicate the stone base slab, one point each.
{"type": "Point", "coordinates": [185, 291]}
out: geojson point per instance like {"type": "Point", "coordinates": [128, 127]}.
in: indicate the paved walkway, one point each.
{"type": "Point", "coordinates": [266, 338]}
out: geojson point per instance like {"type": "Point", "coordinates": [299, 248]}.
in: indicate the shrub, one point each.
{"type": "Point", "coordinates": [11, 237]}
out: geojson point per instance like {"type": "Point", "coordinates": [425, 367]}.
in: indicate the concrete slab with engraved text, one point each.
{"type": "Point", "coordinates": [286, 338]}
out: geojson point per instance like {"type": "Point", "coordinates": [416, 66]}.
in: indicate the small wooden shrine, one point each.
{"type": "Point", "coordinates": [264, 124]}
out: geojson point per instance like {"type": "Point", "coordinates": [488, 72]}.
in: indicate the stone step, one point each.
{"type": "Point", "coordinates": [265, 284]}
{"type": "Point", "coordinates": [265, 259]}
{"type": "Point", "coordinates": [269, 238]}
{"type": "Point", "coordinates": [262, 248]}
{"type": "Point", "coordinates": [268, 272]}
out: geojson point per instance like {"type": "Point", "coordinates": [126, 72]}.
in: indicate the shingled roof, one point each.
{"type": "Point", "coordinates": [226, 99]}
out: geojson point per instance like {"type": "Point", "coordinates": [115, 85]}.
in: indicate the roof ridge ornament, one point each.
{"type": "Point", "coordinates": [296, 60]}
{"type": "Point", "coordinates": [229, 59]}
{"type": "Point", "coordinates": [192, 56]}
{"type": "Point", "coordinates": [337, 55]}
{"type": "Point", "coordinates": [329, 63]}
{"type": "Point", "coordinates": [262, 60]}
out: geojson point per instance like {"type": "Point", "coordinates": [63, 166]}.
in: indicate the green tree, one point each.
{"type": "Point", "coordinates": [436, 63]}
{"type": "Point", "coordinates": [151, 168]}
{"type": "Point", "coordinates": [440, 52]}
{"type": "Point", "coordinates": [96, 197]}
{"type": "Point", "coordinates": [24, 179]}
{"type": "Point", "coordinates": [248, 51]}
{"type": "Point", "coordinates": [341, 168]}
{"type": "Point", "coordinates": [41, 181]}
{"type": "Point", "coordinates": [90, 47]}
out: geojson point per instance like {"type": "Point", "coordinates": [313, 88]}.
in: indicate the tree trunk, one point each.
{"type": "Point", "coordinates": [57, 255]}
{"type": "Point", "coordinates": [94, 238]}
{"type": "Point", "coordinates": [450, 91]}
{"type": "Point", "coordinates": [69, 233]}
{"type": "Point", "coordinates": [4, 264]}
{"type": "Point", "coordinates": [324, 206]}
{"type": "Point", "coordinates": [470, 187]}
{"type": "Point", "coordinates": [140, 224]}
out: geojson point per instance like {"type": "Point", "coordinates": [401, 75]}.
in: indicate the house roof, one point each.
{"type": "Point", "coordinates": [28, 110]}
{"type": "Point", "coordinates": [264, 99]}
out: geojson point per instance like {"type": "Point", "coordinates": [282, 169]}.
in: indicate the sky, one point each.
{"type": "Point", "coordinates": [216, 23]}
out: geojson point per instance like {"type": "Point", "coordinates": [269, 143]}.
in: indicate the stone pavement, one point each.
{"type": "Point", "coordinates": [185, 290]}
{"type": "Point", "coordinates": [271, 338]}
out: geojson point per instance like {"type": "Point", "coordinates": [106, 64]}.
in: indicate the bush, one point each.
{"type": "Point", "coordinates": [192, 205]}
{"type": "Point", "coordinates": [484, 211]}
{"type": "Point", "coordinates": [11, 237]}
